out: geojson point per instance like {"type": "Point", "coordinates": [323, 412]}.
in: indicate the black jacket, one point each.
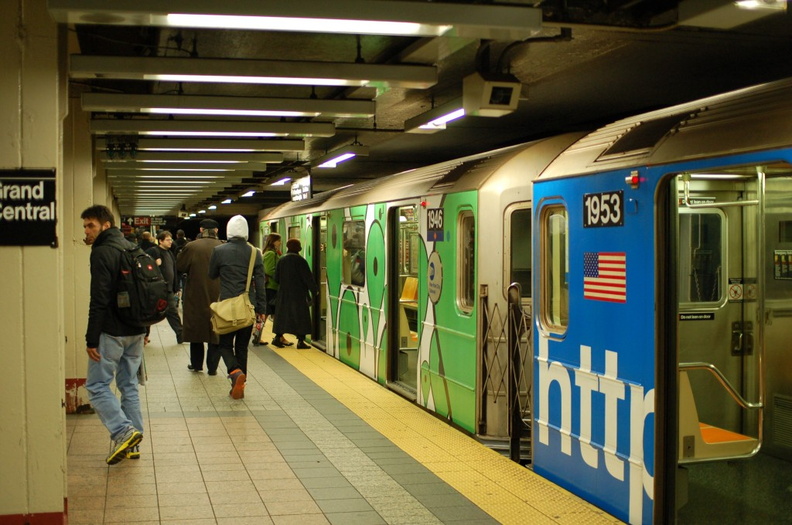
{"type": "Point", "coordinates": [230, 263]}
{"type": "Point", "coordinates": [105, 268]}
{"type": "Point", "coordinates": [296, 283]}
{"type": "Point", "coordinates": [167, 268]}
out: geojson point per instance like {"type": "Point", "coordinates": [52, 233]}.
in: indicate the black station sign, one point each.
{"type": "Point", "coordinates": [27, 208]}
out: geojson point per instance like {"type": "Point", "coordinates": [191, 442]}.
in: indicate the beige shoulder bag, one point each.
{"type": "Point", "coordinates": [229, 315]}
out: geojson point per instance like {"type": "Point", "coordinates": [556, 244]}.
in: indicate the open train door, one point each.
{"type": "Point", "coordinates": [730, 226]}
{"type": "Point", "coordinates": [404, 247]}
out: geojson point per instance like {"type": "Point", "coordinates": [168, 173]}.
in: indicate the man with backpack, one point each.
{"type": "Point", "coordinates": [114, 347]}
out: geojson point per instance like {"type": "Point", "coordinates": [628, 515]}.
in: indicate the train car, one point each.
{"type": "Point", "coordinates": [413, 270]}
{"type": "Point", "coordinates": [662, 386]}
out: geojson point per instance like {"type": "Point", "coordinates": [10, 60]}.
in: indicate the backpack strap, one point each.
{"type": "Point", "coordinates": [250, 267]}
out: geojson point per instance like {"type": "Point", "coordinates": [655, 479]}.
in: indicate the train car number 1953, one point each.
{"type": "Point", "coordinates": [603, 209]}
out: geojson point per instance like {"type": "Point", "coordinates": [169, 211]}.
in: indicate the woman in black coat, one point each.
{"type": "Point", "coordinates": [296, 285]}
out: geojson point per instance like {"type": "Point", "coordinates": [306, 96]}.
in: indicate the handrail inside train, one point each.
{"type": "Point", "coordinates": [748, 405]}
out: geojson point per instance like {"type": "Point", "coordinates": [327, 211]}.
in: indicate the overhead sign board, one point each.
{"type": "Point", "coordinates": [301, 188]}
{"type": "Point", "coordinates": [27, 207]}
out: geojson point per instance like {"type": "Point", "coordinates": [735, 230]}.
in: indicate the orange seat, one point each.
{"type": "Point", "coordinates": [410, 291]}
{"type": "Point", "coordinates": [712, 434]}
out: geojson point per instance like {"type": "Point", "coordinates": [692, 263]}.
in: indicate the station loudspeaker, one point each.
{"type": "Point", "coordinates": [490, 95]}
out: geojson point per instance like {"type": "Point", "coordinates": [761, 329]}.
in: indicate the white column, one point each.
{"type": "Point", "coordinates": [32, 437]}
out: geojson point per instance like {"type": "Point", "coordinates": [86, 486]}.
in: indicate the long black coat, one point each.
{"type": "Point", "coordinates": [199, 289]}
{"type": "Point", "coordinates": [296, 282]}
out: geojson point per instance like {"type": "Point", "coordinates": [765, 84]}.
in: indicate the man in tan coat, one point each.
{"type": "Point", "coordinates": [199, 291]}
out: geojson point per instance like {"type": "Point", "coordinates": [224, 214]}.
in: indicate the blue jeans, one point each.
{"type": "Point", "coordinates": [120, 359]}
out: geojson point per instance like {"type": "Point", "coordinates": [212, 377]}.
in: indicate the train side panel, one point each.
{"type": "Point", "coordinates": [594, 365]}
{"type": "Point", "coordinates": [447, 348]}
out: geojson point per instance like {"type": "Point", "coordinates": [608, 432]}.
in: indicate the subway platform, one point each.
{"type": "Point", "coordinates": [313, 442]}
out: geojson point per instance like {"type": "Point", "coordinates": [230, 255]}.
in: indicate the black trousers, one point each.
{"type": "Point", "coordinates": [234, 349]}
{"type": "Point", "coordinates": [173, 316]}
{"type": "Point", "coordinates": [212, 356]}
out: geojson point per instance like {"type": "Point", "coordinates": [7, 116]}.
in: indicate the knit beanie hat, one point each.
{"type": "Point", "coordinates": [237, 227]}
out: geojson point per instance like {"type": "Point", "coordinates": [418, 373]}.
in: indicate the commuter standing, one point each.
{"type": "Point", "coordinates": [145, 241]}
{"type": "Point", "coordinates": [296, 283]}
{"type": "Point", "coordinates": [230, 262]}
{"type": "Point", "coordinates": [179, 242]}
{"type": "Point", "coordinates": [199, 292]}
{"type": "Point", "coordinates": [115, 349]}
{"type": "Point", "coordinates": [167, 265]}
{"type": "Point", "coordinates": [272, 254]}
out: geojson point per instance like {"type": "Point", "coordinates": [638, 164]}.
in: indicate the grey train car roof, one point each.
{"type": "Point", "coordinates": [749, 119]}
{"type": "Point", "coordinates": [468, 173]}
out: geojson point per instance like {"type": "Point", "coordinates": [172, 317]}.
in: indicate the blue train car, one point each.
{"type": "Point", "coordinates": [662, 366]}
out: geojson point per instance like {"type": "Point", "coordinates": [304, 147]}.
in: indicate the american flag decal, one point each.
{"type": "Point", "coordinates": [605, 276]}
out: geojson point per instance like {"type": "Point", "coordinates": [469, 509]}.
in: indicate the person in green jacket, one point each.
{"type": "Point", "coordinates": [272, 253]}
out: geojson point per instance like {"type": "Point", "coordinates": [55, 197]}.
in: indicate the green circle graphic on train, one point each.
{"type": "Point", "coordinates": [349, 330]}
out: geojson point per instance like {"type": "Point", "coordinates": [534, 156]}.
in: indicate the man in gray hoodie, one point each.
{"type": "Point", "coordinates": [230, 262]}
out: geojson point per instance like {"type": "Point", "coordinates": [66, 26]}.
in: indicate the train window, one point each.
{"type": "Point", "coordinates": [520, 250]}
{"type": "Point", "coordinates": [354, 265]}
{"type": "Point", "coordinates": [466, 261]}
{"type": "Point", "coordinates": [294, 232]}
{"type": "Point", "coordinates": [409, 241]}
{"type": "Point", "coordinates": [554, 256]}
{"type": "Point", "coordinates": [701, 256]}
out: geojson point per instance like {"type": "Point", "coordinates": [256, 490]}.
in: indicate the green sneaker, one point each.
{"type": "Point", "coordinates": [129, 439]}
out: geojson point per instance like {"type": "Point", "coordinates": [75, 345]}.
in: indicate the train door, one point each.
{"type": "Point", "coordinates": [404, 245]}
{"type": "Point", "coordinates": [319, 268]}
{"type": "Point", "coordinates": [502, 319]}
{"type": "Point", "coordinates": [729, 223]}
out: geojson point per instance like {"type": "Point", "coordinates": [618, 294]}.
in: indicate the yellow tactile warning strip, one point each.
{"type": "Point", "coordinates": [508, 492]}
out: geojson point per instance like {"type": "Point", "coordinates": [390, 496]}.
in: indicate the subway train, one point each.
{"type": "Point", "coordinates": [613, 308]}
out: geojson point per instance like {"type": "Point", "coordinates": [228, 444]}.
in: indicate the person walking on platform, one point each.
{"type": "Point", "coordinates": [296, 283]}
{"type": "Point", "coordinates": [230, 263]}
{"type": "Point", "coordinates": [272, 254]}
{"type": "Point", "coordinates": [115, 349]}
{"type": "Point", "coordinates": [167, 263]}
{"type": "Point", "coordinates": [199, 292]}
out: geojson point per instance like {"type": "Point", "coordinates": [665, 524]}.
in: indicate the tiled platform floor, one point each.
{"type": "Point", "coordinates": [291, 453]}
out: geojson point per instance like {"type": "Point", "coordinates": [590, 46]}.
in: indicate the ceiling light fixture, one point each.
{"type": "Point", "coordinates": [281, 182]}
{"type": "Point", "coordinates": [244, 71]}
{"type": "Point", "coordinates": [778, 5]}
{"type": "Point", "coordinates": [227, 201]}
{"type": "Point", "coordinates": [226, 106]}
{"type": "Point", "coordinates": [179, 156]}
{"type": "Point", "coordinates": [335, 157]}
{"type": "Point", "coordinates": [211, 128]}
{"type": "Point", "coordinates": [248, 193]}
{"type": "Point", "coordinates": [205, 145]}
{"type": "Point", "coordinates": [185, 166]}
{"type": "Point", "coordinates": [490, 21]}
{"type": "Point", "coordinates": [436, 118]}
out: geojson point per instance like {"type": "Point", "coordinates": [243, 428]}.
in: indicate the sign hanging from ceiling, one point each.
{"type": "Point", "coordinates": [301, 189]}
{"type": "Point", "coordinates": [27, 208]}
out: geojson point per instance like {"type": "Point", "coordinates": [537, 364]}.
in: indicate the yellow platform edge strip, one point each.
{"type": "Point", "coordinates": [507, 491]}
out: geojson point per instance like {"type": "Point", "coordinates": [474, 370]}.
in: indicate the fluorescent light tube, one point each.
{"type": "Point", "coordinates": [237, 70]}
{"type": "Point", "coordinates": [335, 157]}
{"type": "Point", "coordinates": [436, 118]}
{"type": "Point", "coordinates": [384, 17]}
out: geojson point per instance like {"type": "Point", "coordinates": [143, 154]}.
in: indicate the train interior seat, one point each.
{"type": "Point", "coordinates": [700, 441]}
{"type": "Point", "coordinates": [408, 320]}
{"type": "Point", "coordinates": [408, 302]}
